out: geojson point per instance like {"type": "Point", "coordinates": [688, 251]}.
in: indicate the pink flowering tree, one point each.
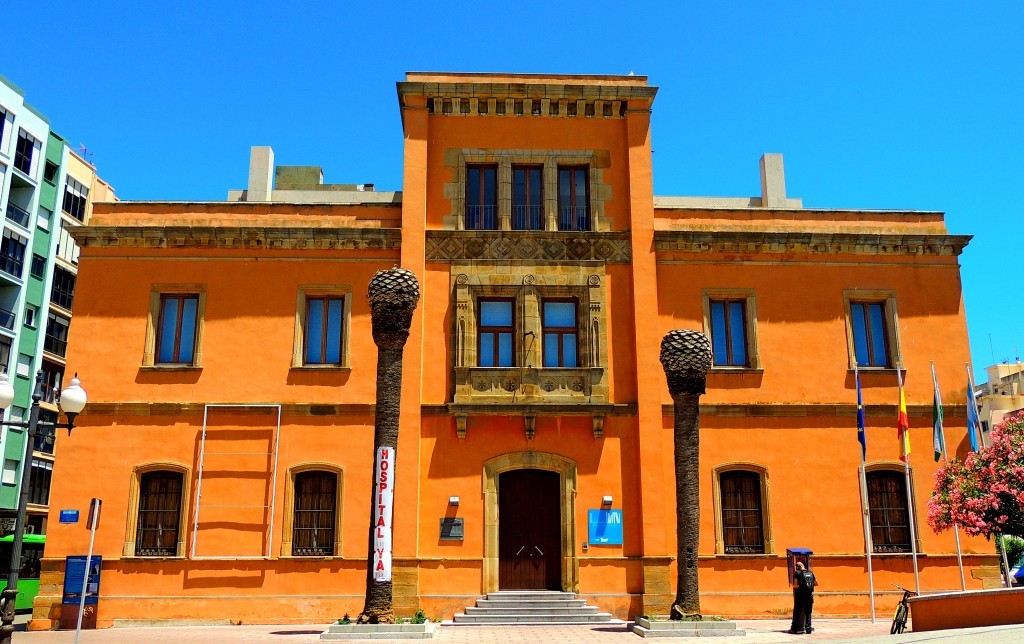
{"type": "Point", "coordinates": [984, 493]}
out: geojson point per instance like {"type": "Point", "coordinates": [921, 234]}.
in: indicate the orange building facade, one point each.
{"type": "Point", "coordinates": [227, 353]}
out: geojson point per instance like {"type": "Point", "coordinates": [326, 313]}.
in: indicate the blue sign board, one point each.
{"type": "Point", "coordinates": [74, 572]}
{"type": "Point", "coordinates": [69, 516]}
{"type": "Point", "coordinates": [605, 527]}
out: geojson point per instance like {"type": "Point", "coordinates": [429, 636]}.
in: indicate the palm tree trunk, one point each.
{"type": "Point", "coordinates": [687, 460]}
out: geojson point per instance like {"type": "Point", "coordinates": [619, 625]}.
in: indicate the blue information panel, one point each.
{"type": "Point", "coordinates": [605, 527]}
{"type": "Point", "coordinates": [69, 516]}
{"type": "Point", "coordinates": [74, 570]}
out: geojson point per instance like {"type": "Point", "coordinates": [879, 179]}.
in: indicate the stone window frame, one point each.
{"type": "Point", "coordinates": [306, 291]}
{"type": "Point", "coordinates": [288, 520]}
{"type": "Point", "coordinates": [131, 528]}
{"type": "Point", "coordinates": [895, 466]}
{"type": "Point", "coordinates": [766, 515]}
{"type": "Point", "coordinates": [156, 294]}
{"type": "Point", "coordinates": [750, 323]}
{"type": "Point", "coordinates": [892, 326]}
{"type": "Point", "coordinates": [457, 159]}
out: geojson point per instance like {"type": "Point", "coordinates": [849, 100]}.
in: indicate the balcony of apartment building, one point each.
{"type": "Point", "coordinates": [55, 343]}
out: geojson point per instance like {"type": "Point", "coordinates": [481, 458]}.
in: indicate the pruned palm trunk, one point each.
{"type": "Point", "coordinates": [393, 297]}
{"type": "Point", "coordinates": [686, 357]}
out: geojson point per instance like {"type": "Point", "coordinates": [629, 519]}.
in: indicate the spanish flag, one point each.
{"type": "Point", "coordinates": [903, 423]}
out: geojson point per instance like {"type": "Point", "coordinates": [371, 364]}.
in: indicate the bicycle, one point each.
{"type": "Point", "coordinates": [899, 620]}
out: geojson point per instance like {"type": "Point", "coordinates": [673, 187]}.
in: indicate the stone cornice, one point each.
{"type": "Point", "coordinates": [696, 241]}
{"type": "Point", "coordinates": [779, 410]}
{"type": "Point", "coordinates": [237, 237]}
{"type": "Point", "coordinates": [196, 409]}
{"type": "Point", "coordinates": [527, 245]}
{"type": "Point", "coordinates": [578, 91]}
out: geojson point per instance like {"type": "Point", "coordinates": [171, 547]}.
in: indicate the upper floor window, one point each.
{"type": "Point", "coordinates": [870, 336]}
{"type": "Point", "coordinates": [315, 510]}
{"type": "Point", "coordinates": [560, 333]}
{"type": "Point", "coordinates": [176, 329]}
{"type": "Point", "coordinates": [887, 503]}
{"type": "Point", "coordinates": [159, 520]}
{"type": "Point", "coordinates": [50, 170]}
{"type": "Point", "coordinates": [573, 210]}
{"type": "Point", "coordinates": [729, 333]}
{"type": "Point", "coordinates": [56, 341]}
{"type": "Point", "coordinates": [6, 124]}
{"type": "Point", "coordinates": [496, 332]}
{"type": "Point", "coordinates": [323, 330]}
{"type": "Point", "coordinates": [39, 486]}
{"type": "Point", "coordinates": [482, 197]}
{"type": "Point", "coordinates": [12, 253]}
{"type": "Point", "coordinates": [75, 198]}
{"type": "Point", "coordinates": [62, 293]}
{"type": "Point", "coordinates": [25, 153]}
{"type": "Point", "coordinates": [38, 267]}
{"type": "Point", "coordinates": [527, 198]}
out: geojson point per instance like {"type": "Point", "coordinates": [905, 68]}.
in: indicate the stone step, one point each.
{"type": "Point", "coordinates": [539, 603]}
{"type": "Point", "coordinates": [544, 610]}
{"type": "Point", "coordinates": [531, 594]}
{"type": "Point", "coordinates": [462, 618]}
{"type": "Point", "coordinates": [380, 631]}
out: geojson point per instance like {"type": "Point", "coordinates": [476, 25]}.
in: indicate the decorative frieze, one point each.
{"type": "Point", "coordinates": [515, 245]}
{"type": "Point", "coordinates": [702, 241]}
{"type": "Point", "coordinates": [237, 237]}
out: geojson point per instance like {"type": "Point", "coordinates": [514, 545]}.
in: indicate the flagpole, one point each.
{"type": "Point", "coordinates": [910, 497]}
{"type": "Point", "coordinates": [970, 383]}
{"type": "Point", "coordinates": [868, 545]}
{"type": "Point", "coordinates": [938, 428]}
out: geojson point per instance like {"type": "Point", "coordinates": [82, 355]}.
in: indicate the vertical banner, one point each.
{"type": "Point", "coordinates": [384, 475]}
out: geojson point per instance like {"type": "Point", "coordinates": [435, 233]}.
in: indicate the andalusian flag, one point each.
{"type": "Point", "coordinates": [903, 423]}
{"type": "Point", "coordinates": [938, 439]}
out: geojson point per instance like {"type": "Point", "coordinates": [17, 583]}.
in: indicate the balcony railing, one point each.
{"type": "Point", "coordinates": [527, 218]}
{"type": "Point", "coordinates": [573, 218]}
{"type": "Point", "coordinates": [481, 217]}
{"type": "Point", "coordinates": [18, 215]}
{"type": "Point", "coordinates": [6, 319]}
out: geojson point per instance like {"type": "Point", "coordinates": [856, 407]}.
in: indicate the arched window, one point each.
{"type": "Point", "coordinates": [742, 513]}
{"type": "Point", "coordinates": [159, 520]}
{"type": "Point", "coordinates": [890, 520]}
{"type": "Point", "coordinates": [314, 513]}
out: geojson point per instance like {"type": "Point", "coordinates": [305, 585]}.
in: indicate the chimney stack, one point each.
{"type": "Point", "coordinates": [261, 173]}
{"type": "Point", "coordinates": [773, 181]}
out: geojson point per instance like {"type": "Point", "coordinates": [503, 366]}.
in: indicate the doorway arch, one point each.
{"type": "Point", "coordinates": [566, 470]}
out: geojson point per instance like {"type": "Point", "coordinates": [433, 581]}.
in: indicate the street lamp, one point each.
{"type": "Point", "coordinates": [72, 401]}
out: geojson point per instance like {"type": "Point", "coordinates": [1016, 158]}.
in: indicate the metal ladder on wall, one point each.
{"type": "Point", "coordinates": [269, 538]}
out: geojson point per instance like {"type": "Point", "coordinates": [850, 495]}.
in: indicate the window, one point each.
{"type": "Point", "coordinates": [482, 197]}
{"type": "Point", "coordinates": [742, 514]}
{"type": "Point", "coordinates": [62, 292]}
{"type": "Point", "coordinates": [24, 153]}
{"type": "Point", "coordinates": [51, 385]}
{"type": "Point", "coordinates": [6, 123]}
{"type": "Point", "coordinates": [56, 341]}
{"type": "Point", "coordinates": [527, 198]}
{"type": "Point", "coordinates": [50, 171]}
{"type": "Point", "coordinates": [10, 474]}
{"type": "Point", "coordinates": [24, 367]}
{"type": "Point", "coordinates": [7, 319]}
{"type": "Point", "coordinates": [67, 249]}
{"type": "Point", "coordinates": [560, 333]}
{"type": "Point", "coordinates": [323, 330]}
{"type": "Point", "coordinates": [43, 217]}
{"type": "Point", "coordinates": [31, 312]}
{"type": "Point", "coordinates": [496, 333]}
{"type": "Point", "coordinates": [45, 436]}
{"type": "Point", "coordinates": [39, 486]}
{"type": "Point", "coordinates": [573, 213]}
{"type": "Point", "coordinates": [176, 329]}
{"type": "Point", "coordinates": [5, 353]}
{"type": "Point", "coordinates": [729, 333]}
{"type": "Point", "coordinates": [314, 509]}
{"type": "Point", "coordinates": [870, 339]}
{"type": "Point", "coordinates": [38, 268]}
{"type": "Point", "coordinates": [75, 198]}
{"type": "Point", "coordinates": [887, 503]}
{"type": "Point", "coordinates": [159, 519]}
{"type": "Point", "coordinates": [12, 253]}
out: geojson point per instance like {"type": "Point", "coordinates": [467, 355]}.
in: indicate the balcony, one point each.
{"type": "Point", "coordinates": [527, 218]}
{"type": "Point", "coordinates": [481, 217]}
{"type": "Point", "coordinates": [530, 386]}
{"type": "Point", "coordinates": [573, 218]}
{"type": "Point", "coordinates": [18, 215]}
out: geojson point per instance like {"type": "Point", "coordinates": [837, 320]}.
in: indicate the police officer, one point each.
{"type": "Point", "coordinates": [803, 599]}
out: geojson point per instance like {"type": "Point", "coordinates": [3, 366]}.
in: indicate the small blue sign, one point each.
{"type": "Point", "coordinates": [74, 574]}
{"type": "Point", "coordinates": [605, 527]}
{"type": "Point", "coordinates": [69, 516]}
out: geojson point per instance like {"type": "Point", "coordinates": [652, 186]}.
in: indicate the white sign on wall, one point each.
{"type": "Point", "coordinates": [384, 475]}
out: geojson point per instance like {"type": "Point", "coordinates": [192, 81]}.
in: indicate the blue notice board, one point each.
{"type": "Point", "coordinates": [74, 571]}
{"type": "Point", "coordinates": [605, 527]}
{"type": "Point", "coordinates": [69, 516]}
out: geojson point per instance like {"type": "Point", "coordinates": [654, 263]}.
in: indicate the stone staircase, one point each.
{"type": "Point", "coordinates": [530, 607]}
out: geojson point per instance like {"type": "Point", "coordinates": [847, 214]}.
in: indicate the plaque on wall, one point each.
{"type": "Point", "coordinates": [452, 529]}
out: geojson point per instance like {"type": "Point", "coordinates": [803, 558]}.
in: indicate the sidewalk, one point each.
{"type": "Point", "coordinates": [758, 631]}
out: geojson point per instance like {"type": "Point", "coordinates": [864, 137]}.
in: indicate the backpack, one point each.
{"type": "Point", "coordinates": [805, 580]}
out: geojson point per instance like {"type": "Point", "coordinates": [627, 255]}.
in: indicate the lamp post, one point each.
{"type": "Point", "coordinates": [72, 401]}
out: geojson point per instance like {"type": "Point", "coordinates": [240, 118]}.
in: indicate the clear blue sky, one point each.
{"type": "Point", "coordinates": [903, 105]}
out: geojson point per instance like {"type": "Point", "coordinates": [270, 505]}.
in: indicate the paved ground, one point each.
{"type": "Point", "coordinates": [834, 630]}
